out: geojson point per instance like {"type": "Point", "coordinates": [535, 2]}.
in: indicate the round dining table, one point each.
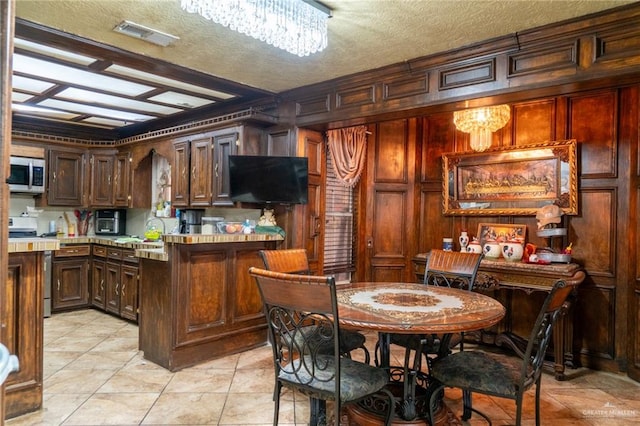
{"type": "Point", "coordinates": [410, 308]}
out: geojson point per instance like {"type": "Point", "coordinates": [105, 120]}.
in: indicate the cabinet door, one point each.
{"type": "Point", "coordinates": [101, 180]}
{"type": "Point", "coordinates": [122, 180]}
{"type": "Point", "coordinates": [98, 277]}
{"type": "Point", "coordinates": [129, 292]}
{"type": "Point", "coordinates": [112, 290]}
{"type": "Point", "coordinates": [223, 146]}
{"type": "Point", "coordinates": [70, 287]}
{"type": "Point", "coordinates": [200, 190]}
{"type": "Point", "coordinates": [66, 178]}
{"type": "Point", "coordinates": [180, 175]}
{"type": "Point", "coordinates": [22, 324]}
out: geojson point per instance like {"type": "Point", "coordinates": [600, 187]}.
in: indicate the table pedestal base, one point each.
{"type": "Point", "coordinates": [355, 415]}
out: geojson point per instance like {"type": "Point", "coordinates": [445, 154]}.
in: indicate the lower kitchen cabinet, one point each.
{"type": "Point", "coordinates": [70, 278]}
{"type": "Point", "coordinates": [115, 280]}
{"type": "Point", "coordinates": [21, 333]}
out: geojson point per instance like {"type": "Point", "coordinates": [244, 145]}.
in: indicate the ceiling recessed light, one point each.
{"type": "Point", "coordinates": [145, 33]}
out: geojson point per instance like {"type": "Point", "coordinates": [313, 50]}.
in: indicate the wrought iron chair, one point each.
{"type": "Point", "coordinates": [295, 261]}
{"type": "Point", "coordinates": [500, 374]}
{"type": "Point", "coordinates": [443, 268]}
{"type": "Point", "coordinates": [291, 302]}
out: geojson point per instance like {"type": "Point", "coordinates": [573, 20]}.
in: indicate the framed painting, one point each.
{"type": "Point", "coordinates": [501, 232]}
{"type": "Point", "coordinates": [511, 181]}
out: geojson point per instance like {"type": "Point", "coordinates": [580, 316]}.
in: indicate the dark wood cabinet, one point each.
{"type": "Point", "coordinates": [201, 304]}
{"type": "Point", "coordinates": [110, 179]}
{"type": "Point", "coordinates": [115, 283]}
{"type": "Point", "coordinates": [70, 278]}
{"type": "Point", "coordinates": [180, 174]}
{"type": "Point", "coordinates": [224, 145]}
{"type": "Point", "coordinates": [200, 173]}
{"type": "Point", "coordinates": [22, 331]}
{"type": "Point", "coordinates": [66, 177]}
{"type": "Point", "coordinates": [101, 179]}
{"type": "Point", "coordinates": [122, 180]}
{"type": "Point", "coordinates": [201, 188]}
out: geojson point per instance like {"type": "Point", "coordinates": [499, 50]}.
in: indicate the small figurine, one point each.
{"type": "Point", "coordinates": [267, 218]}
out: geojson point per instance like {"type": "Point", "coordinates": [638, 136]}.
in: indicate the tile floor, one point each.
{"type": "Point", "coordinates": [95, 375]}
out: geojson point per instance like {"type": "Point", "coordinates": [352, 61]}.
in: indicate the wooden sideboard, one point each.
{"type": "Point", "coordinates": [497, 275]}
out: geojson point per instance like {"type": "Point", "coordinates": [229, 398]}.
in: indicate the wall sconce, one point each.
{"type": "Point", "coordinates": [481, 122]}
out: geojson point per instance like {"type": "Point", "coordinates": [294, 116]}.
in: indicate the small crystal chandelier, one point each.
{"type": "Point", "coordinates": [297, 26]}
{"type": "Point", "coordinates": [480, 123]}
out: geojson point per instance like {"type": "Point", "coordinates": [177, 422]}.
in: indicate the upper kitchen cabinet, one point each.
{"type": "Point", "coordinates": [66, 177]}
{"type": "Point", "coordinates": [200, 173]}
{"type": "Point", "coordinates": [110, 179]}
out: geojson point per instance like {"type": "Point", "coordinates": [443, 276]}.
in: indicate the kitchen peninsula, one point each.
{"type": "Point", "coordinates": [197, 300]}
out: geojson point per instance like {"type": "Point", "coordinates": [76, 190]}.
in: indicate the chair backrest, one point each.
{"type": "Point", "coordinates": [452, 269]}
{"type": "Point", "coordinates": [290, 261]}
{"type": "Point", "coordinates": [292, 302]}
{"type": "Point", "coordinates": [541, 333]}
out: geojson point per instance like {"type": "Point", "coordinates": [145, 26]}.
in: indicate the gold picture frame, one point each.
{"type": "Point", "coordinates": [511, 181]}
{"type": "Point", "coordinates": [501, 232]}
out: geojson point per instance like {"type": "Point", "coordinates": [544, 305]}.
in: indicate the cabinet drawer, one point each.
{"type": "Point", "coordinates": [114, 253]}
{"type": "Point", "coordinates": [100, 251]}
{"type": "Point", "coordinates": [129, 256]}
{"type": "Point", "coordinates": [73, 251]}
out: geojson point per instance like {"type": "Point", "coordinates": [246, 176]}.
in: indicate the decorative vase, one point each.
{"type": "Point", "coordinates": [491, 249]}
{"type": "Point", "coordinates": [474, 246]}
{"type": "Point", "coordinates": [512, 251]}
{"type": "Point", "coordinates": [464, 241]}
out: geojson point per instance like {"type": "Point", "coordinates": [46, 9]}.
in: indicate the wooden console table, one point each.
{"type": "Point", "coordinates": [500, 274]}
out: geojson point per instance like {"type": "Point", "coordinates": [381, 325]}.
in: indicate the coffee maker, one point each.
{"type": "Point", "coordinates": [191, 221]}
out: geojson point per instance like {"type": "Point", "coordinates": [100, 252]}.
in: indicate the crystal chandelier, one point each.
{"type": "Point", "coordinates": [297, 26]}
{"type": "Point", "coordinates": [480, 123]}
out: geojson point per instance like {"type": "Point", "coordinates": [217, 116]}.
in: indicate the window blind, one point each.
{"type": "Point", "coordinates": [340, 227]}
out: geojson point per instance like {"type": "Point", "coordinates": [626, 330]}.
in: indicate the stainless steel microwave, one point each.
{"type": "Point", "coordinates": [27, 175]}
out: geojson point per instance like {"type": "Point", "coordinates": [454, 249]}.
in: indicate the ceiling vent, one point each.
{"type": "Point", "coordinates": [145, 33]}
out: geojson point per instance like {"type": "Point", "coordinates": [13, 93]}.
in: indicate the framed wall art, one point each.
{"type": "Point", "coordinates": [501, 232]}
{"type": "Point", "coordinates": [511, 181]}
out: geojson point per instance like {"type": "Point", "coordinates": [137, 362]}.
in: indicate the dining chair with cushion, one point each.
{"type": "Point", "coordinates": [499, 374]}
{"type": "Point", "coordinates": [295, 261]}
{"type": "Point", "coordinates": [443, 268]}
{"type": "Point", "coordinates": [291, 302]}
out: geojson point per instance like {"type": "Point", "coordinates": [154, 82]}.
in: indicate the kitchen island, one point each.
{"type": "Point", "coordinates": [197, 300]}
{"type": "Point", "coordinates": [23, 322]}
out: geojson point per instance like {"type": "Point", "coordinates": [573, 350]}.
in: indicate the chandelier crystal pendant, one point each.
{"type": "Point", "coordinates": [297, 26]}
{"type": "Point", "coordinates": [480, 123]}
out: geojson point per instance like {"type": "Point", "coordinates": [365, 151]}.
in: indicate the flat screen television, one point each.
{"type": "Point", "coordinates": [262, 179]}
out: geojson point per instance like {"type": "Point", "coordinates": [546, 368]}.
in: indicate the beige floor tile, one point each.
{"type": "Point", "coordinates": [56, 408]}
{"type": "Point", "coordinates": [255, 408]}
{"type": "Point", "coordinates": [253, 381]}
{"type": "Point", "coordinates": [74, 343]}
{"type": "Point", "coordinates": [198, 381]}
{"type": "Point", "coordinates": [54, 362]}
{"type": "Point", "coordinates": [128, 381]}
{"type": "Point", "coordinates": [117, 344]}
{"type": "Point", "coordinates": [100, 360]}
{"type": "Point", "coordinates": [76, 381]}
{"type": "Point", "coordinates": [186, 409]}
{"type": "Point", "coordinates": [113, 409]}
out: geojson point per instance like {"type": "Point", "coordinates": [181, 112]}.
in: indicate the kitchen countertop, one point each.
{"type": "Point", "coordinates": [150, 249]}
{"type": "Point", "coordinates": [21, 245]}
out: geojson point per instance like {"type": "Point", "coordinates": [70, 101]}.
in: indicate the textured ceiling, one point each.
{"type": "Point", "coordinates": [362, 34]}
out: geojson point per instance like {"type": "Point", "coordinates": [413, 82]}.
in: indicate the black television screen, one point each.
{"type": "Point", "coordinates": [261, 179]}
